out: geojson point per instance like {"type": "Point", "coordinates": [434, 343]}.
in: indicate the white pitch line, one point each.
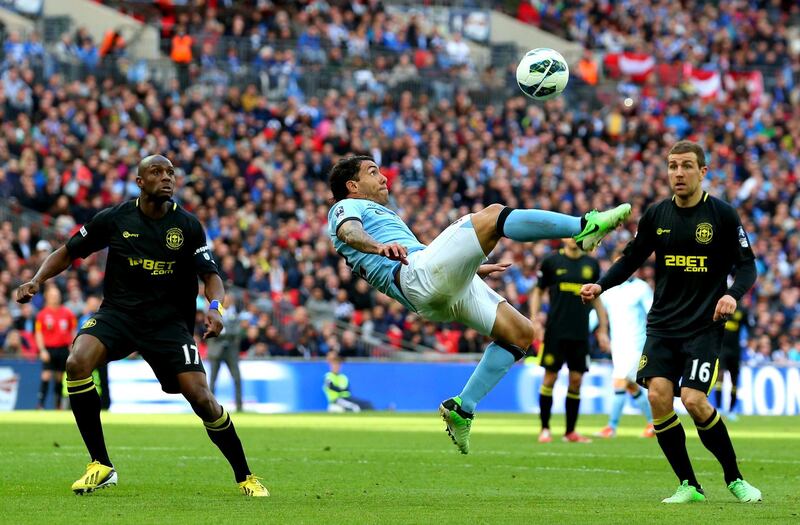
{"type": "Point", "coordinates": [526, 453]}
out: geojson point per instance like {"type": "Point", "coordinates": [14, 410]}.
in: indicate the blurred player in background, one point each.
{"type": "Point", "coordinates": [337, 388]}
{"type": "Point", "coordinates": [225, 349]}
{"type": "Point", "coordinates": [442, 281]}
{"type": "Point", "coordinates": [730, 358]}
{"type": "Point", "coordinates": [566, 333]}
{"type": "Point", "coordinates": [156, 251]}
{"type": "Point", "coordinates": [627, 306]}
{"type": "Point", "coordinates": [55, 327]}
{"type": "Point", "coordinates": [698, 240]}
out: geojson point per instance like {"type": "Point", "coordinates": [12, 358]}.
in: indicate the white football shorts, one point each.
{"type": "Point", "coordinates": [442, 284]}
{"type": "Point", "coordinates": [625, 359]}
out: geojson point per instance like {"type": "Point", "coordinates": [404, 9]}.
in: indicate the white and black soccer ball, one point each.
{"type": "Point", "coordinates": [542, 73]}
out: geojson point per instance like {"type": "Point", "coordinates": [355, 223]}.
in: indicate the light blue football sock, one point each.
{"type": "Point", "coordinates": [494, 364]}
{"type": "Point", "coordinates": [616, 408]}
{"type": "Point", "coordinates": [535, 225]}
{"type": "Point", "coordinates": [641, 401]}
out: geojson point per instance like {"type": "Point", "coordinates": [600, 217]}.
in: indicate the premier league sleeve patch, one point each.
{"type": "Point", "coordinates": [743, 242]}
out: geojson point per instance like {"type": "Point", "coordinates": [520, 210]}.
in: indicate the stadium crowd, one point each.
{"type": "Point", "coordinates": [254, 170]}
{"type": "Point", "coordinates": [736, 34]}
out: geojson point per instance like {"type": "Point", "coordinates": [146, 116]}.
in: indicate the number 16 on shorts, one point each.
{"type": "Point", "coordinates": [702, 374]}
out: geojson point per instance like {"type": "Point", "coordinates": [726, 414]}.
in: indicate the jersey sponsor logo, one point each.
{"type": "Point", "coordinates": [642, 362]}
{"type": "Point", "coordinates": [574, 288]}
{"type": "Point", "coordinates": [587, 272]}
{"type": "Point", "coordinates": [174, 238]}
{"type": "Point", "coordinates": [662, 231]}
{"type": "Point", "coordinates": [128, 234]}
{"type": "Point", "coordinates": [689, 263]}
{"type": "Point", "coordinates": [83, 231]}
{"type": "Point", "coordinates": [90, 322]}
{"type": "Point", "coordinates": [743, 242]}
{"type": "Point", "coordinates": [561, 271]}
{"type": "Point", "coordinates": [152, 266]}
{"type": "Point", "coordinates": [704, 233]}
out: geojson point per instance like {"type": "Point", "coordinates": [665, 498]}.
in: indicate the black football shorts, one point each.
{"type": "Point", "coordinates": [168, 347]}
{"type": "Point", "coordinates": [687, 361]}
{"type": "Point", "coordinates": [558, 351]}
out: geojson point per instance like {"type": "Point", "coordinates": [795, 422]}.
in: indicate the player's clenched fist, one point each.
{"type": "Point", "coordinates": [26, 292]}
{"type": "Point", "coordinates": [590, 292]}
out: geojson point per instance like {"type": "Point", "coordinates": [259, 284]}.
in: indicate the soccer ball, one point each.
{"type": "Point", "coordinates": [542, 73]}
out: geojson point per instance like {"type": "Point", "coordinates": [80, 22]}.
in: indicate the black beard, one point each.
{"type": "Point", "coordinates": [158, 199]}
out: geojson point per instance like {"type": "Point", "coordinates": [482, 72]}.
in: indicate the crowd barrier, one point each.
{"type": "Point", "coordinates": [290, 386]}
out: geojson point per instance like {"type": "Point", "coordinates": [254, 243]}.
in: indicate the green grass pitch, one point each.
{"type": "Point", "coordinates": [383, 468]}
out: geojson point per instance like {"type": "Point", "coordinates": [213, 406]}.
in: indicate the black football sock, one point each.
{"type": "Point", "coordinates": [58, 393]}
{"type": "Point", "coordinates": [223, 435]}
{"type": "Point", "coordinates": [672, 440]}
{"type": "Point", "coordinates": [85, 403]}
{"type": "Point", "coordinates": [733, 396]}
{"type": "Point", "coordinates": [714, 435]}
{"type": "Point", "coordinates": [545, 405]}
{"type": "Point", "coordinates": [571, 407]}
{"type": "Point", "coordinates": [718, 396]}
{"type": "Point", "coordinates": [42, 393]}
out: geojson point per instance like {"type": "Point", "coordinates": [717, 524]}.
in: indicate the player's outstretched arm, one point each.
{"type": "Point", "coordinates": [56, 262]}
{"type": "Point", "coordinates": [352, 233]}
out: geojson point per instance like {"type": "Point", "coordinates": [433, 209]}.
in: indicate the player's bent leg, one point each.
{"type": "Point", "coordinates": [527, 225]}
{"type": "Point", "coordinates": [513, 333]}
{"type": "Point", "coordinates": [88, 352]}
{"type": "Point", "coordinates": [671, 435]}
{"type": "Point", "coordinates": [714, 435]}
{"type": "Point", "coordinates": [220, 430]}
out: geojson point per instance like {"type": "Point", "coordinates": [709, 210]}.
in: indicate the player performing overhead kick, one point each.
{"type": "Point", "coordinates": [156, 251]}
{"type": "Point", "coordinates": [442, 281]}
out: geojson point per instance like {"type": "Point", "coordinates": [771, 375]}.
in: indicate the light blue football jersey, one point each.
{"type": "Point", "coordinates": [383, 225]}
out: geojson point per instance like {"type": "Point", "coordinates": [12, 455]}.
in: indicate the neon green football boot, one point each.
{"type": "Point", "coordinates": [685, 494]}
{"type": "Point", "coordinates": [599, 224]}
{"type": "Point", "coordinates": [97, 476]}
{"type": "Point", "coordinates": [458, 422]}
{"type": "Point", "coordinates": [744, 492]}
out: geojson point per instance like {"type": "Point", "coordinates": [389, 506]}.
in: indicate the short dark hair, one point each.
{"type": "Point", "coordinates": [687, 146]}
{"type": "Point", "coordinates": [344, 170]}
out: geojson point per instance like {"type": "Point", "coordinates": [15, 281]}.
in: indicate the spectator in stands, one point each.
{"type": "Point", "coordinates": [457, 50]}
{"type": "Point", "coordinates": [14, 346]}
{"type": "Point", "coordinates": [470, 342]}
{"type": "Point", "coordinates": [588, 70]}
{"type": "Point", "coordinates": [181, 55]}
{"type": "Point", "coordinates": [565, 153]}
